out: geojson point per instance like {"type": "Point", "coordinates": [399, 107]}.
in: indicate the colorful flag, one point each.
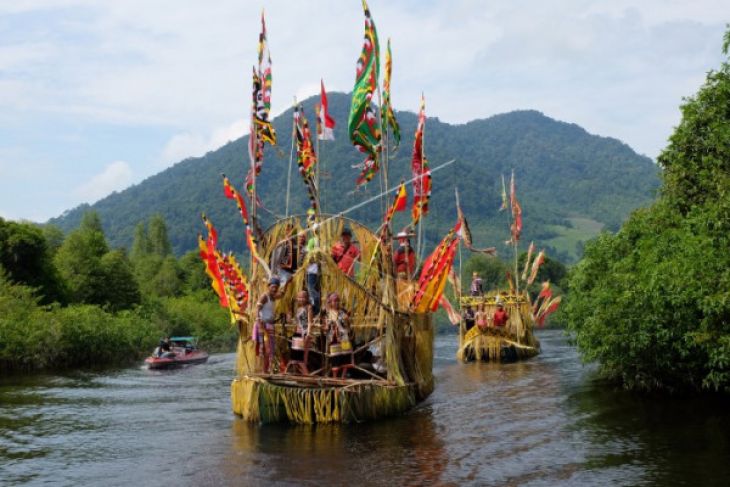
{"type": "Point", "coordinates": [261, 129]}
{"type": "Point", "coordinates": [454, 317]}
{"type": "Point", "coordinates": [539, 260]}
{"type": "Point", "coordinates": [230, 192]}
{"type": "Point", "coordinates": [435, 272]}
{"type": "Point", "coordinates": [388, 112]}
{"type": "Point", "coordinates": [363, 125]}
{"type": "Point", "coordinates": [419, 168]}
{"type": "Point", "coordinates": [516, 227]}
{"type": "Point", "coordinates": [209, 254]}
{"type": "Point", "coordinates": [466, 233]}
{"type": "Point", "coordinates": [306, 158]}
{"type": "Point", "coordinates": [545, 293]}
{"type": "Point", "coordinates": [530, 250]}
{"type": "Point", "coordinates": [263, 106]}
{"type": "Point", "coordinates": [548, 308]}
{"type": "Point", "coordinates": [399, 204]}
{"type": "Point", "coordinates": [325, 123]}
{"type": "Point", "coordinates": [504, 196]}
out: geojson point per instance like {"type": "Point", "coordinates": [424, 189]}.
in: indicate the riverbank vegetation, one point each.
{"type": "Point", "coordinates": [72, 301]}
{"type": "Point", "coordinates": [651, 303]}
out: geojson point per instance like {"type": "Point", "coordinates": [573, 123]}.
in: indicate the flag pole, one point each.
{"type": "Point", "coordinates": [291, 159]}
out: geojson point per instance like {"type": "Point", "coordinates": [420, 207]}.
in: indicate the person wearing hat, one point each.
{"type": "Point", "coordinates": [345, 253]}
{"type": "Point", "coordinates": [266, 314]}
{"type": "Point", "coordinates": [404, 258]}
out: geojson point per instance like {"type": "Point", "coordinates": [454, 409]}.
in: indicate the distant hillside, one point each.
{"type": "Point", "coordinates": [571, 183]}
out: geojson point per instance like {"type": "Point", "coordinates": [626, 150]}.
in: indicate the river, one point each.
{"type": "Point", "coordinates": [546, 421]}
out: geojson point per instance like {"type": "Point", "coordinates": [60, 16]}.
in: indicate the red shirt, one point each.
{"type": "Point", "coordinates": [404, 261]}
{"type": "Point", "coordinates": [346, 257]}
{"type": "Point", "coordinates": [500, 317]}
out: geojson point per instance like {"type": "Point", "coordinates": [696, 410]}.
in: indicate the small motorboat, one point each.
{"type": "Point", "coordinates": [183, 351]}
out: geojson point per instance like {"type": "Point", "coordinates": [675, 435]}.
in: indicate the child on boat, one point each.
{"type": "Point", "coordinates": [337, 325]}
{"type": "Point", "coordinates": [301, 341]}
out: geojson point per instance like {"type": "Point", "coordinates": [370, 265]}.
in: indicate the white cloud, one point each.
{"type": "Point", "coordinates": [115, 177]}
{"type": "Point", "coordinates": [181, 67]}
{"type": "Point", "coordinates": [188, 144]}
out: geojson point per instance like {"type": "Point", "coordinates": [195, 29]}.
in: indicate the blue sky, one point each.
{"type": "Point", "coordinates": [96, 96]}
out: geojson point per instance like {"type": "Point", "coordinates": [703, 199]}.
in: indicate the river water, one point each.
{"type": "Point", "coordinates": [547, 421]}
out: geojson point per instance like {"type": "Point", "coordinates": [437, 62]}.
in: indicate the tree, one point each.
{"type": "Point", "coordinates": [193, 273]}
{"type": "Point", "coordinates": [121, 289]}
{"type": "Point", "coordinates": [79, 262]}
{"type": "Point", "coordinates": [651, 303]}
{"type": "Point", "coordinates": [167, 281]}
{"type": "Point", "coordinates": [25, 255]}
{"type": "Point", "coordinates": [158, 239]}
{"type": "Point", "coordinates": [492, 270]}
{"type": "Point", "coordinates": [141, 243]}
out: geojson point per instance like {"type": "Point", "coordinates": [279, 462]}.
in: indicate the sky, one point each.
{"type": "Point", "coordinates": [96, 96]}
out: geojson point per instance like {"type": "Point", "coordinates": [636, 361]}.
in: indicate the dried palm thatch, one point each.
{"type": "Point", "coordinates": [515, 341]}
{"type": "Point", "coordinates": [377, 315]}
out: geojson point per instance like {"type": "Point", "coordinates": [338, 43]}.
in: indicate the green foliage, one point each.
{"type": "Point", "coordinates": [492, 270]}
{"type": "Point", "coordinates": [141, 244]}
{"type": "Point", "coordinates": [159, 243]}
{"type": "Point", "coordinates": [122, 291]}
{"type": "Point", "coordinates": [79, 262]}
{"type": "Point", "coordinates": [168, 281]}
{"type": "Point", "coordinates": [25, 255]}
{"type": "Point", "coordinates": [562, 172]}
{"type": "Point", "coordinates": [651, 304]}
{"type": "Point", "coordinates": [193, 273]}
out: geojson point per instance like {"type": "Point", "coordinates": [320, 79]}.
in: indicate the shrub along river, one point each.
{"type": "Point", "coordinates": [546, 421]}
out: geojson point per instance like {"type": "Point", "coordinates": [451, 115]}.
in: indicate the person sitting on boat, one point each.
{"type": "Point", "coordinates": [163, 347]}
{"type": "Point", "coordinates": [476, 285]}
{"type": "Point", "coordinates": [266, 319]}
{"type": "Point", "coordinates": [468, 316]}
{"type": "Point", "coordinates": [404, 259]}
{"type": "Point", "coordinates": [284, 258]}
{"type": "Point", "coordinates": [303, 318]}
{"type": "Point", "coordinates": [345, 253]}
{"type": "Point", "coordinates": [481, 317]}
{"type": "Point", "coordinates": [500, 317]}
{"type": "Point", "coordinates": [337, 326]}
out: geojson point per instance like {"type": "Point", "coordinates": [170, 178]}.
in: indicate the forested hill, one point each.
{"type": "Point", "coordinates": [570, 183]}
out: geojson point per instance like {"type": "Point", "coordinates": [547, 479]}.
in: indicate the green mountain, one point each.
{"type": "Point", "coordinates": [571, 184]}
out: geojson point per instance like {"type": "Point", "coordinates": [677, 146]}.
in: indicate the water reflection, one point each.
{"type": "Point", "coordinates": [546, 421]}
{"type": "Point", "coordinates": [407, 450]}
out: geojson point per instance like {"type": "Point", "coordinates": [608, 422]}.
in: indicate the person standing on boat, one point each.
{"type": "Point", "coordinates": [476, 285]}
{"type": "Point", "coordinates": [345, 253]}
{"type": "Point", "coordinates": [284, 258]}
{"type": "Point", "coordinates": [310, 250]}
{"type": "Point", "coordinates": [500, 317]}
{"type": "Point", "coordinates": [266, 318]}
{"type": "Point", "coordinates": [404, 259]}
{"type": "Point", "coordinates": [468, 317]}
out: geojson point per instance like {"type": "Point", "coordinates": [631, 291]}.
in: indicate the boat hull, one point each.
{"type": "Point", "coordinates": [177, 361]}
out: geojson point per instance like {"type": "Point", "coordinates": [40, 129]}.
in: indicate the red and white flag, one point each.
{"type": "Point", "coordinates": [325, 123]}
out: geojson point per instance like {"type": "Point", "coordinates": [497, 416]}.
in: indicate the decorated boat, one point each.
{"type": "Point", "coordinates": [499, 325]}
{"type": "Point", "coordinates": [332, 327]}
